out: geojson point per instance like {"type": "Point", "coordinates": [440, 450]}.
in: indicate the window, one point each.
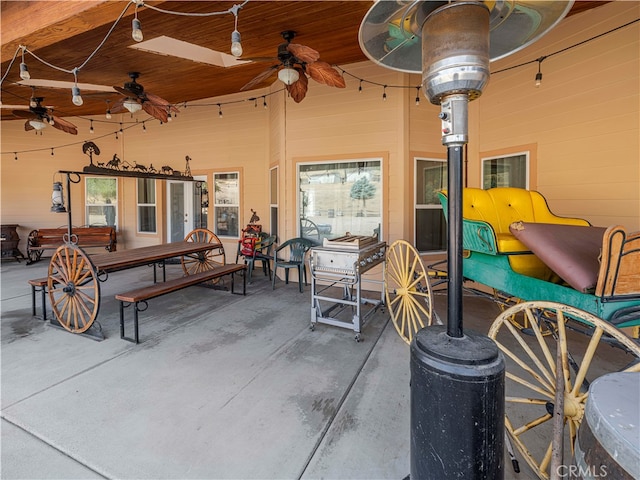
{"type": "Point", "coordinates": [506, 171]}
{"type": "Point", "coordinates": [430, 225]}
{"type": "Point", "coordinates": [273, 200]}
{"type": "Point", "coordinates": [146, 205]}
{"type": "Point", "coordinates": [339, 197]}
{"type": "Point", "coordinates": [101, 201]}
{"type": "Point", "coordinates": [226, 208]}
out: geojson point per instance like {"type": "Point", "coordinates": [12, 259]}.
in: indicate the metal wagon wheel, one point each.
{"type": "Point", "coordinates": [74, 289]}
{"type": "Point", "coordinates": [531, 372]}
{"type": "Point", "coordinates": [407, 290]}
{"type": "Point", "coordinates": [203, 261]}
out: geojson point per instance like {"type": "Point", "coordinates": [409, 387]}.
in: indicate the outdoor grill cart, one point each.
{"type": "Point", "coordinates": [341, 262]}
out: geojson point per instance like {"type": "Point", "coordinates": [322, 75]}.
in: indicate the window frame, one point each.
{"type": "Point", "coordinates": [217, 205]}
{"type": "Point", "coordinates": [505, 156]}
{"type": "Point", "coordinates": [153, 205]}
{"type": "Point", "coordinates": [423, 206]}
{"type": "Point", "coordinates": [323, 163]}
{"type": "Point", "coordinates": [87, 180]}
{"type": "Point", "coordinates": [274, 190]}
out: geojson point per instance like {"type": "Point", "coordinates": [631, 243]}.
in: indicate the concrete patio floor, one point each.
{"type": "Point", "coordinates": [221, 386]}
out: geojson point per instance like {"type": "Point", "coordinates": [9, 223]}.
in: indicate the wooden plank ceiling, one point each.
{"type": "Point", "coordinates": [65, 33]}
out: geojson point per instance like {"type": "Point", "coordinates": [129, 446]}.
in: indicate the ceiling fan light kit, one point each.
{"type": "Point", "coordinates": [131, 105]}
{"type": "Point", "coordinates": [288, 75]}
{"type": "Point", "coordinates": [37, 124]}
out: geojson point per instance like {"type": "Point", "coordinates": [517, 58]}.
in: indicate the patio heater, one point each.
{"type": "Point", "coordinates": [457, 377]}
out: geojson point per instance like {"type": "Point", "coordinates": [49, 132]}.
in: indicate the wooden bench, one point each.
{"type": "Point", "coordinates": [142, 294]}
{"type": "Point", "coordinates": [52, 238]}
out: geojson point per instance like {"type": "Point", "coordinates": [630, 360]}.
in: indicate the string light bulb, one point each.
{"type": "Point", "coordinates": [219, 111]}
{"type": "Point", "coordinates": [539, 74]}
{"type": "Point", "coordinates": [384, 93]}
{"type": "Point", "coordinates": [91, 127]}
{"type": "Point", "coordinates": [264, 102]}
{"type": "Point", "coordinates": [236, 45]}
{"type": "Point", "coordinates": [136, 29]}
{"type": "Point", "coordinates": [417, 96]}
{"type": "Point", "coordinates": [75, 91]}
{"type": "Point", "coordinates": [144, 128]}
{"type": "Point", "coordinates": [75, 96]}
{"type": "Point", "coordinates": [108, 114]}
{"type": "Point", "coordinates": [360, 87]}
{"type": "Point", "coordinates": [24, 70]}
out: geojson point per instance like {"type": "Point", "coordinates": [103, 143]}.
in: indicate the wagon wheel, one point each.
{"type": "Point", "coordinates": [202, 261]}
{"type": "Point", "coordinates": [74, 289]}
{"type": "Point", "coordinates": [407, 290]}
{"type": "Point", "coordinates": [531, 372]}
{"type": "Point", "coordinates": [518, 319]}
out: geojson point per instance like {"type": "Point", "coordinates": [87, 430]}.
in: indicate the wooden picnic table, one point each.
{"type": "Point", "coordinates": [74, 277]}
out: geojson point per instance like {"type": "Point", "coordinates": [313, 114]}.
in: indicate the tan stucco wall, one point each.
{"type": "Point", "coordinates": [582, 124]}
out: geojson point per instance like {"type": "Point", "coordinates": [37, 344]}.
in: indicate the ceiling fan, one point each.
{"type": "Point", "coordinates": [295, 63]}
{"type": "Point", "coordinates": [38, 117]}
{"type": "Point", "coordinates": [136, 99]}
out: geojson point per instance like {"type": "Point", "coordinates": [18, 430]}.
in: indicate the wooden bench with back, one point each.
{"type": "Point", "coordinates": [44, 239]}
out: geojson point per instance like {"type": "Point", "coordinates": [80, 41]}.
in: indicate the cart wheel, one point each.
{"type": "Point", "coordinates": [531, 371]}
{"type": "Point", "coordinates": [202, 261]}
{"type": "Point", "coordinates": [519, 320]}
{"type": "Point", "coordinates": [74, 289]}
{"type": "Point", "coordinates": [407, 290]}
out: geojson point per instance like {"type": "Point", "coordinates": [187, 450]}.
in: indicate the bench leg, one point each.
{"type": "Point", "coordinates": [43, 293]}
{"type": "Point", "coordinates": [135, 338]}
{"type": "Point", "coordinates": [33, 300]}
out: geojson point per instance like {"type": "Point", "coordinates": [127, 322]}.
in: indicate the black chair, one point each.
{"type": "Point", "coordinates": [297, 249]}
{"type": "Point", "coordinates": [261, 253]}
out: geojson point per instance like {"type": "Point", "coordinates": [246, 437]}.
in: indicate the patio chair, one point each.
{"type": "Point", "coordinates": [297, 249]}
{"type": "Point", "coordinates": [261, 253]}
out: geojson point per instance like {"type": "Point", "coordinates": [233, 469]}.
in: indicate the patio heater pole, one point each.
{"type": "Point", "coordinates": [457, 377]}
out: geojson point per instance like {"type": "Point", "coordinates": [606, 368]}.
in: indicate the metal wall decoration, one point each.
{"type": "Point", "coordinates": [122, 168]}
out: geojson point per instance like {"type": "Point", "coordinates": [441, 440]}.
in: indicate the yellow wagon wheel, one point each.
{"type": "Point", "coordinates": [407, 290]}
{"type": "Point", "coordinates": [74, 289]}
{"type": "Point", "coordinates": [531, 371]}
{"type": "Point", "coordinates": [206, 260]}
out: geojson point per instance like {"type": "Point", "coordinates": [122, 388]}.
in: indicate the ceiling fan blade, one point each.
{"type": "Point", "coordinates": [303, 53]}
{"type": "Point", "coordinates": [23, 113]}
{"type": "Point", "coordinates": [64, 125]}
{"type": "Point", "coordinates": [118, 106]}
{"type": "Point", "coordinates": [258, 59]}
{"type": "Point", "coordinates": [261, 77]}
{"type": "Point", "coordinates": [161, 102]}
{"type": "Point", "coordinates": [125, 92]}
{"type": "Point", "coordinates": [155, 111]}
{"type": "Point", "coordinates": [324, 73]}
{"type": "Point", "coordinates": [298, 89]}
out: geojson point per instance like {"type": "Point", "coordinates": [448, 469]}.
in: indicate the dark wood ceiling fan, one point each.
{"type": "Point", "coordinates": [303, 60]}
{"type": "Point", "coordinates": [134, 94]}
{"type": "Point", "coordinates": [38, 117]}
